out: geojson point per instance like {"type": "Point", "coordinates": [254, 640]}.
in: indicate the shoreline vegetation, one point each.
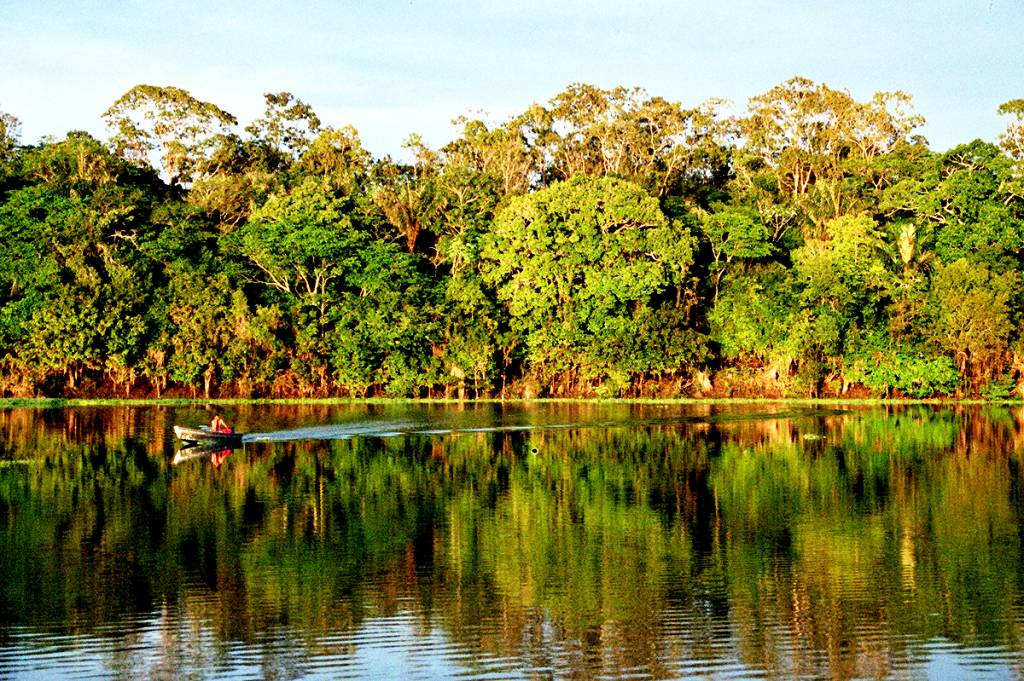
{"type": "Point", "coordinates": [64, 402]}
{"type": "Point", "coordinates": [605, 244]}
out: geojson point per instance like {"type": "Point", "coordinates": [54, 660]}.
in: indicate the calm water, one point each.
{"type": "Point", "coordinates": [546, 541]}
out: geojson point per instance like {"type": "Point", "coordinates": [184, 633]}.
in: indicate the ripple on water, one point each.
{"type": "Point", "coordinates": [382, 646]}
{"type": "Point", "coordinates": [176, 643]}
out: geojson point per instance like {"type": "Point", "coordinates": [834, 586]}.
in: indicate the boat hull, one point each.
{"type": "Point", "coordinates": [204, 435]}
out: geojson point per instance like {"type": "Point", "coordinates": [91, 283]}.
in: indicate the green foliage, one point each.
{"type": "Point", "coordinates": [301, 242]}
{"type": "Point", "coordinates": [840, 270]}
{"type": "Point", "coordinates": [912, 375]}
{"type": "Point", "coordinates": [27, 268]}
{"type": "Point", "coordinates": [654, 341]}
{"type": "Point", "coordinates": [607, 243]}
{"type": "Point", "coordinates": [998, 389]}
{"type": "Point", "coordinates": [382, 336]}
{"type": "Point", "coordinates": [752, 314]}
{"type": "Point", "coordinates": [471, 323]}
{"type": "Point", "coordinates": [578, 261]}
{"type": "Point", "coordinates": [733, 233]}
{"type": "Point", "coordinates": [78, 281]}
{"type": "Point", "coordinates": [963, 196]}
{"type": "Point", "coordinates": [971, 317]}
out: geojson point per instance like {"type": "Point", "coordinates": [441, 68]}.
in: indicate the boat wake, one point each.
{"type": "Point", "coordinates": [340, 431]}
{"type": "Point", "coordinates": [389, 428]}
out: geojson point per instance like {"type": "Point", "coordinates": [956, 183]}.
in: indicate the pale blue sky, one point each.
{"type": "Point", "coordinates": [393, 68]}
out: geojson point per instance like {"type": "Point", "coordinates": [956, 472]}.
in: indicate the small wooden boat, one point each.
{"type": "Point", "coordinates": [204, 435]}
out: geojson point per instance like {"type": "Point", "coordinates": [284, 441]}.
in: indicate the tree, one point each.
{"type": "Point", "coordinates": [842, 270]}
{"type": "Point", "coordinates": [354, 309]}
{"type": "Point", "coordinates": [403, 194]}
{"type": "Point", "coordinates": [751, 319]}
{"type": "Point", "coordinates": [287, 126]}
{"type": "Point", "coordinates": [77, 166]}
{"type": "Point", "coordinates": [908, 249]}
{"type": "Point", "coordinates": [199, 308]}
{"type": "Point", "coordinates": [1012, 140]}
{"type": "Point", "coordinates": [882, 364]}
{"type": "Point", "coordinates": [576, 259]}
{"type": "Point", "coordinates": [300, 241]}
{"type": "Point", "coordinates": [733, 233]}
{"type": "Point", "coordinates": [504, 152]}
{"type": "Point", "coordinates": [28, 268]}
{"type": "Point", "coordinates": [842, 276]}
{"type": "Point", "coordinates": [384, 326]}
{"type": "Point", "coordinates": [10, 132]}
{"type": "Point", "coordinates": [181, 124]}
{"type": "Point", "coordinates": [235, 176]}
{"type": "Point", "coordinates": [77, 280]}
{"type": "Point", "coordinates": [960, 198]}
{"type": "Point", "coordinates": [463, 202]}
{"type": "Point", "coordinates": [64, 337]}
{"type": "Point", "coordinates": [624, 133]}
{"type": "Point", "coordinates": [809, 137]}
{"type": "Point", "coordinates": [970, 315]}
{"type": "Point", "coordinates": [337, 157]}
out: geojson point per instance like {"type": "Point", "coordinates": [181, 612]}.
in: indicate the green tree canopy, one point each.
{"type": "Point", "coordinates": [576, 259]}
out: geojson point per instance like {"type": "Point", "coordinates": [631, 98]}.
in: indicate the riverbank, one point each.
{"type": "Point", "coordinates": [59, 402]}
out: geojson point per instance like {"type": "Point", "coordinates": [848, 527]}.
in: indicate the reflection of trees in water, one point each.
{"type": "Point", "coordinates": [894, 521]}
{"type": "Point", "coordinates": [826, 545]}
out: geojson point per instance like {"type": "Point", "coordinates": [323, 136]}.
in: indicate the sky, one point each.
{"type": "Point", "coordinates": [395, 68]}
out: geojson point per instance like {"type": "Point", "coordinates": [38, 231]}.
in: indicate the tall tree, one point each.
{"type": "Point", "coordinates": [505, 152]}
{"type": "Point", "coordinates": [404, 194]}
{"type": "Point", "coordinates": [1012, 140]}
{"type": "Point", "coordinates": [624, 133]}
{"type": "Point", "coordinates": [337, 157]}
{"type": "Point", "coordinates": [806, 136]}
{"type": "Point", "coordinates": [962, 198]}
{"type": "Point", "coordinates": [732, 234]}
{"type": "Point", "coordinates": [300, 241]}
{"type": "Point", "coordinates": [182, 126]}
{"type": "Point", "coordinates": [10, 133]}
{"type": "Point", "coordinates": [288, 124]}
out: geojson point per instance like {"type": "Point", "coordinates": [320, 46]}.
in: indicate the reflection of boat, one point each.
{"type": "Point", "coordinates": [217, 450]}
{"type": "Point", "coordinates": [204, 435]}
{"type": "Point", "coordinates": [190, 452]}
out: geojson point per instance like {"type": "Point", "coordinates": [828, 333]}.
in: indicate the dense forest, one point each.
{"type": "Point", "coordinates": [608, 243]}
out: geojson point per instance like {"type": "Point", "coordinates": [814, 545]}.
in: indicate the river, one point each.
{"type": "Point", "coordinates": [548, 540]}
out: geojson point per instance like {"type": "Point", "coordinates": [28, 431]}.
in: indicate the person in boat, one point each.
{"type": "Point", "coordinates": [218, 425]}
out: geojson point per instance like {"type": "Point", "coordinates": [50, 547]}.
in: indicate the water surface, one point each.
{"type": "Point", "coordinates": [514, 541]}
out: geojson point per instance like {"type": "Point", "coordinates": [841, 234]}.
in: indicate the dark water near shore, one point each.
{"type": "Point", "coordinates": [488, 541]}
